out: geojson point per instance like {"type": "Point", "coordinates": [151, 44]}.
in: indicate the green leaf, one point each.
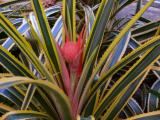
{"type": "Point", "coordinates": [120, 36]}
{"type": "Point", "coordinates": [139, 5]}
{"type": "Point", "coordinates": [124, 97]}
{"type": "Point", "coordinates": [13, 65]}
{"type": "Point", "coordinates": [117, 53]}
{"type": "Point", "coordinates": [155, 93]}
{"type": "Point", "coordinates": [28, 97]}
{"type": "Point", "coordinates": [146, 116]}
{"type": "Point", "coordinates": [5, 108]}
{"type": "Point", "coordinates": [18, 115]}
{"type": "Point", "coordinates": [153, 97]}
{"type": "Point", "coordinates": [45, 103]}
{"type": "Point", "coordinates": [146, 31]}
{"type": "Point", "coordinates": [20, 94]}
{"type": "Point", "coordinates": [24, 47]}
{"type": "Point", "coordinates": [147, 27]}
{"type": "Point", "coordinates": [48, 40]}
{"type": "Point", "coordinates": [129, 77]}
{"type": "Point", "coordinates": [16, 96]}
{"type": "Point", "coordinates": [69, 14]}
{"type": "Point", "coordinates": [89, 18]}
{"type": "Point", "coordinates": [123, 4]}
{"type": "Point", "coordinates": [111, 48]}
{"type": "Point", "coordinates": [63, 105]}
{"type": "Point", "coordinates": [86, 118]}
{"type": "Point", "coordinates": [98, 28]}
{"type": "Point", "coordinates": [124, 61]}
{"type": "Point", "coordinates": [134, 107]}
{"type": "Point", "coordinates": [85, 74]}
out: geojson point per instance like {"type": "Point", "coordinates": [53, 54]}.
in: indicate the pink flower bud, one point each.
{"type": "Point", "coordinates": [72, 53]}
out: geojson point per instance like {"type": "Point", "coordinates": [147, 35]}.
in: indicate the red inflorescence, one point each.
{"type": "Point", "coordinates": [72, 53]}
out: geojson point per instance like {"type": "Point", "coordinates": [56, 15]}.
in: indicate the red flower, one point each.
{"type": "Point", "coordinates": [72, 53]}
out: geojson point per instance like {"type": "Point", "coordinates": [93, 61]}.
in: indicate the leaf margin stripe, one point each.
{"type": "Point", "coordinates": [129, 72]}
{"type": "Point", "coordinates": [21, 112]}
{"type": "Point", "coordinates": [137, 117]}
{"type": "Point", "coordinates": [154, 41]}
{"type": "Point", "coordinates": [49, 42]}
{"type": "Point", "coordinates": [15, 62]}
{"type": "Point", "coordinates": [59, 94]}
{"type": "Point", "coordinates": [24, 45]}
{"type": "Point", "coordinates": [111, 47]}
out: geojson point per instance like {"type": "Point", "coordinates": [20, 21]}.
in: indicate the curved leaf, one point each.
{"type": "Point", "coordinates": [18, 115]}
{"type": "Point", "coordinates": [135, 107]}
{"type": "Point", "coordinates": [146, 116]}
{"type": "Point", "coordinates": [118, 52]}
{"type": "Point", "coordinates": [9, 43]}
{"type": "Point", "coordinates": [123, 98]}
{"type": "Point", "coordinates": [153, 101]}
{"type": "Point", "coordinates": [24, 46]}
{"type": "Point", "coordinates": [98, 29]}
{"type": "Point", "coordinates": [103, 78]}
{"type": "Point", "coordinates": [89, 19]}
{"type": "Point", "coordinates": [111, 48]}
{"type": "Point", "coordinates": [12, 64]}
{"type": "Point", "coordinates": [137, 69]}
{"type": "Point", "coordinates": [48, 41]}
{"type": "Point", "coordinates": [121, 34]}
{"type": "Point", "coordinates": [63, 105]}
{"type": "Point", "coordinates": [4, 108]}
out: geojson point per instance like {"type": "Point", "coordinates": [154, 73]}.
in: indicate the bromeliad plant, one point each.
{"type": "Point", "coordinates": [69, 81]}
